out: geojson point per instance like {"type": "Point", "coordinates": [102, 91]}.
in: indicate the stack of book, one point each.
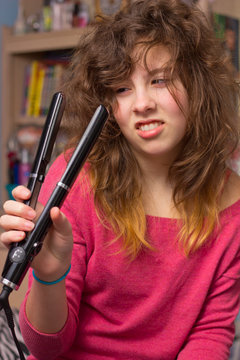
{"type": "Point", "coordinates": [41, 80]}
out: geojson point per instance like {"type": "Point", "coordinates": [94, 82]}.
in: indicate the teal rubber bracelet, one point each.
{"type": "Point", "coordinates": [51, 282]}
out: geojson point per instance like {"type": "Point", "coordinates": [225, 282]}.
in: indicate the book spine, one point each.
{"type": "Point", "coordinates": [32, 88]}
{"type": "Point", "coordinates": [27, 73]}
{"type": "Point", "coordinates": [39, 90]}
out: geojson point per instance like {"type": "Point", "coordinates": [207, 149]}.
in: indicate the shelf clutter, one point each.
{"type": "Point", "coordinates": [54, 15]}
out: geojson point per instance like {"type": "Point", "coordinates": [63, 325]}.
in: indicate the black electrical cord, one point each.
{"type": "Point", "coordinates": [4, 304]}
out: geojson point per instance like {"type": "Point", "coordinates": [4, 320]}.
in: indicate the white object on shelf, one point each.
{"type": "Point", "coordinates": [20, 23]}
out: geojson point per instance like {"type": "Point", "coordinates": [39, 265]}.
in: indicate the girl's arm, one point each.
{"type": "Point", "coordinates": [46, 306]}
{"type": "Point", "coordinates": [43, 310]}
{"type": "Point", "coordinates": [56, 343]}
{"type": "Point", "coordinates": [49, 313]}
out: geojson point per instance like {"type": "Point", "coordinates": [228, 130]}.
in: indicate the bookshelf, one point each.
{"type": "Point", "coordinates": [17, 52]}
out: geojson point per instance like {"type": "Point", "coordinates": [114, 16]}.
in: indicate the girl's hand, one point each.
{"type": "Point", "coordinates": [55, 256]}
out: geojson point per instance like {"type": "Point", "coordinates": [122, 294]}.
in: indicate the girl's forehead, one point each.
{"type": "Point", "coordinates": [155, 57]}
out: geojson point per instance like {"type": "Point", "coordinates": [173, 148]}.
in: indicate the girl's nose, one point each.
{"type": "Point", "coordinates": [143, 102]}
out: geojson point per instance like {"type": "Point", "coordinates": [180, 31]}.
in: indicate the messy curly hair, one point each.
{"type": "Point", "coordinates": [104, 58]}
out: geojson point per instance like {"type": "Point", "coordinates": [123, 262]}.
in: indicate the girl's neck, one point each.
{"type": "Point", "coordinates": [158, 192]}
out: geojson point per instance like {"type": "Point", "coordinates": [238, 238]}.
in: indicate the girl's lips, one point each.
{"type": "Point", "coordinates": [148, 129]}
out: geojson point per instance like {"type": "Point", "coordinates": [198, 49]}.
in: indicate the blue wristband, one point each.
{"type": "Point", "coordinates": [51, 282]}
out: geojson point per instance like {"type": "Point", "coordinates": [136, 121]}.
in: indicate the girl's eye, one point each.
{"type": "Point", "coordinates": [121, 90]}
{"type": "Point", "coordinates": [158, 82]}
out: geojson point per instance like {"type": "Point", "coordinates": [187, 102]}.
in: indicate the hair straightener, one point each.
{"type": "Point", "coordinates": [21, 254]}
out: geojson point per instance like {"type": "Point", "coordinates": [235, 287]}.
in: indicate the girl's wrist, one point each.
{"type": "Point", "coordinates": [51, 279]}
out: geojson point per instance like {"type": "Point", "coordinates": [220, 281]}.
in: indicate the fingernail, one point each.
{"type": "Point", "coordinates": [26, 192]}
{"type": "Point", "coordinates": [28, 225]}
{"type": "Point", "coordinates": [31, 213]}
{"type": "Point", "coordinates": [20, 235]}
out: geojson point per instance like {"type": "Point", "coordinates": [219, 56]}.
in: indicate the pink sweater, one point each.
{"type": "Point", "coordinates": [162, 306]}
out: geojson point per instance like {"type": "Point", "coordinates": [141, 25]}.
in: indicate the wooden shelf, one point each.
{"type": "Point", "coordinates": [29, 120]}
{"type": "Point", "coordinates": [43, 41]}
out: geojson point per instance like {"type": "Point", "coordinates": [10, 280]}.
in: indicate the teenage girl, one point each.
{"type": "Point", "coordinates": [151, 227]}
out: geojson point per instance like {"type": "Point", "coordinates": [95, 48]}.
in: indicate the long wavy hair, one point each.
{"type": "Point", "coordinates": [104, 58]}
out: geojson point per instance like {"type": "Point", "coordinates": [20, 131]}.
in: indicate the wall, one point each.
{"type": "Point", "coordinates": [8, 11]}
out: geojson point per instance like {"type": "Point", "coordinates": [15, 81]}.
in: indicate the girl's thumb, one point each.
{"type": "Point", "coordinates": [60, 222]}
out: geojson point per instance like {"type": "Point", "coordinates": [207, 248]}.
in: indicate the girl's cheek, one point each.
{"type": "Point", "coordinates": [119, 112]}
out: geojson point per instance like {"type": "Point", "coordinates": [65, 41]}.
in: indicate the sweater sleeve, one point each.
{"type": "Point", "coordinates": [213, 333]}
{"type": "Point", "coordinates": [40, 344]}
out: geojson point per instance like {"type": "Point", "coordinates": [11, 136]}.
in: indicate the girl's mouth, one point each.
{"type": "Point", "coordinates": [149, 129]}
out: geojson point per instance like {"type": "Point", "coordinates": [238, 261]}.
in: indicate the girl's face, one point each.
{"type": "Point", "coordinates": [146, 112]}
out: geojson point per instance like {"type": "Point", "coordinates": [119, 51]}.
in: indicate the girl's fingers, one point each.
{"type": "Point", "coordinates": [21, 193]}
{"type": "Point", "coordinates": [9, 222]}
{"type": "Point", "coordinates": [7, 238]}
{"type": "Point", "coordinates": [15, 208]}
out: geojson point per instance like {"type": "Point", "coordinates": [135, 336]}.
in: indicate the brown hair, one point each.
{"type": "Point", "coordinates": [102, 60]}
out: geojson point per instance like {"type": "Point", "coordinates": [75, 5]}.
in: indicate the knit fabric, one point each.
{"type": "Point", "coordinates": [161, 306]}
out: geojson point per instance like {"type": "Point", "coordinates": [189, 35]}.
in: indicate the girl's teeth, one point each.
{"type": "Point", "coordinates": [148, 127]}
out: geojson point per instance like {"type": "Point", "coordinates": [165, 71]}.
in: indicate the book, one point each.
{"type": "Point", "coordinates": [46, 98]}
{"type": "Point", "coordinates": [227, 30]}
{"type": "Point", "coordinates": [39, 89]}
{"type": "Point", "coordinates": [27, 72]}
{"type": "Point", "coordinates": [31, 93]}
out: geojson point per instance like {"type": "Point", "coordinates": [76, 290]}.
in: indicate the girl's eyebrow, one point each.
{"type": "Point", "coordinates": [157, 71]}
